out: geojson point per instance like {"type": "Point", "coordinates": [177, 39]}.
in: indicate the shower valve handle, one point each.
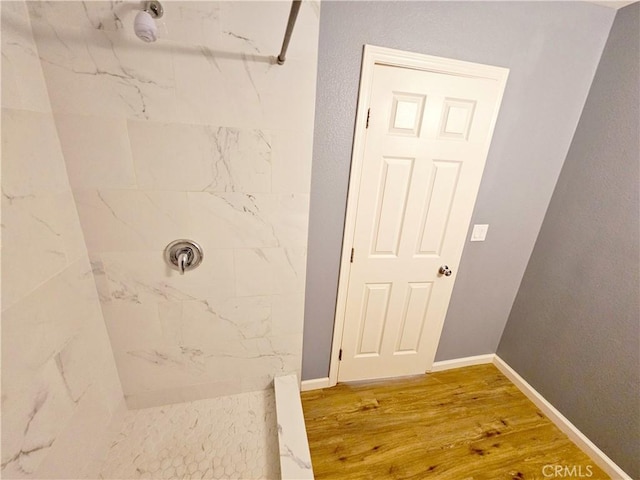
{"type": "Point", "coordinates": [183, 262]}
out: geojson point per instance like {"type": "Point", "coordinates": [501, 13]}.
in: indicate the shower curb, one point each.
{"type": "Point", "coordinates": [295, 457]}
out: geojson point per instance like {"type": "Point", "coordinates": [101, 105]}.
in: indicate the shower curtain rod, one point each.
{"type": "Point", "coordinates": [293, 14]}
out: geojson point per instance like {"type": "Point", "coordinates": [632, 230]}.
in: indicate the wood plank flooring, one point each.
{"type": "Point", "coordinates": [467, 423]}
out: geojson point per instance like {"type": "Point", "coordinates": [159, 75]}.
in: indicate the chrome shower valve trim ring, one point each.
{"type": "Point", "coordinates": [183, 255]}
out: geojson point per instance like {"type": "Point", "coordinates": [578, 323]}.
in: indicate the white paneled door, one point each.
{"type": "Point", "coordinates": [423, 150]}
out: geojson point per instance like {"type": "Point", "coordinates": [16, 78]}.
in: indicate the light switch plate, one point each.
{"type": "Point", "coordinates": [479, 232]}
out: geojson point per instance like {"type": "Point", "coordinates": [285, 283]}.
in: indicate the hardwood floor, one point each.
{"type": "Point", "coordinates": [467, 423]}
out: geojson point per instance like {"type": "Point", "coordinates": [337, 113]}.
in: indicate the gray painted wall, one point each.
{"type": "Point", "coordinates": [552, 49]}
{"type": "Point", "coordinates": [574, 331]}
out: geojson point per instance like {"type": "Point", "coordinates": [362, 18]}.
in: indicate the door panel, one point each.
{"type": "Point", "coordinates": [437, 210]}
{"type": "Point", "coordinates": [424, 154]}
{"type": "Point", "coordinates": [417, 301]}
{"type": "Point", "coordinates": [392, 204]}
{"type": "Point", "coordinates": [375, 303]}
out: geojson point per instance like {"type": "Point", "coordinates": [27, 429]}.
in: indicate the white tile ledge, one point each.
{"type": "Point", "coordinates": [295, 458]}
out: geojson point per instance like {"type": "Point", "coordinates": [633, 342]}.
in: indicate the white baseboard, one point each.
{"type": "Point", "coordinates": [314, 384]}
{"type": "Point", "coordinates": [576, 436]}
{"type": "Point", "coordinates": [462, 362]}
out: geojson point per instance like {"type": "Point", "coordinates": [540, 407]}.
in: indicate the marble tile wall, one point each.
{"type": "Point", "coordinates": [202, 136]}
{"type": "Point", "coordinates": [60, 387]}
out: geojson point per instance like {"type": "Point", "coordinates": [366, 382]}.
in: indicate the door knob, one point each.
{"type": "Point", "coordinates": [445, 270]}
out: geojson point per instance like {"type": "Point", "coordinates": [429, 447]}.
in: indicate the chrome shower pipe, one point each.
{"type": "Point", "coordinates": [293, 14]}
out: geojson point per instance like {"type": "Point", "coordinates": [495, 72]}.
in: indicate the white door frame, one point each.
{"type": "Point", "coordinates": [386, 56]}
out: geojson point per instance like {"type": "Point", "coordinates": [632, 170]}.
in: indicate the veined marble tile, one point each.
{"type": "Point", "coordinates": [48, 223]}
{"type": "Point", "coordinates": [105, 73]}
{"type": "Point", "coordinates": [170, 319]}
{"type": "Point", "coordinates": [286, 95]}
{"type": "Point", "coordinates": [134, 325]}
{"type": "Point", "coordinates": [98, 15]}
{"type": "Point", "coordinates": [75, 445]}
{"type": "Point", "coordinates": [215, 325]}
{"type": "Point", "coordinates": [192, 23]}
{"type": "Point", "coordinates": [23, 84]}
{"type": "Point", "coordinates": [100, 277]}
{"type": "Point", "coordinates": [87, 360]}
{"type": "Point", "coordinates": [189, 22]}
{"type": "Point", "coordinates": [185, 393]}
{"type": "Point", "coordinates": [32, 161]}
{"type": "Point", "coordinates": [222, 347]}
{"type": "Point", "coordinates": [229, 78]}
{"type": "Point", "coordinates": [276, 101]}
{"type": "Point", "coordinates": [32, 418]}
{"type": "Point", "coordinates": [290, 219]}
{"type": "Point", "coordinates": [287, 313]}
{"type": "Point", "coordinates": [40, 326]}
{"type": "Point", "coordinates": [151, 369]}
{"type": "Point", "coordinates": [233, 220]}
{"type": "Point", "coordinates": [200, 157]}
{"type": "Point", "coordinates": [288, 103]}
{"type": "Point", "coordinates": [217, 148]}
{"type": "Point", "coordinates": [291, 161]}
{"type": "Point", "coordinates": [219, 86]}
{"type": "Point", "coordinates": [143, 278]}
{"type": "Point", "coordinates": [267, 271]}
{"type": "Point", "coordinates": [259, 34]}
{"type": "Point", "coordinates": [96, 152]}
{"type": "Point", "coordinates": [251, 367]}
{"type": "Point", "coordinates": [109, 386]}
{"type": "Point", "coordinates": [193, 340]}
{"type": "Point", "coordinates": [288, 344]}
{"type": "Point", "coordinates": [241, 220]}
{"type": "Point", "coordinates": [103, 442]}
{"type": "Point", "coordinates": [132, 220]}
{"type": "Point", "coordinates": [54, 345]}
{"type": "Point", "coordinates": [238, 84]}
{"type": "Point", "coordinates": [224, 83]}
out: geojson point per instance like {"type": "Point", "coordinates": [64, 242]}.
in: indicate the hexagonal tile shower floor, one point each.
{"type": "Point", "coordinates": [233, 437]}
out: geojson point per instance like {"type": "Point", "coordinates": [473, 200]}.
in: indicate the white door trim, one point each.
{"type": "Point", "coordinates": [385, 56]}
